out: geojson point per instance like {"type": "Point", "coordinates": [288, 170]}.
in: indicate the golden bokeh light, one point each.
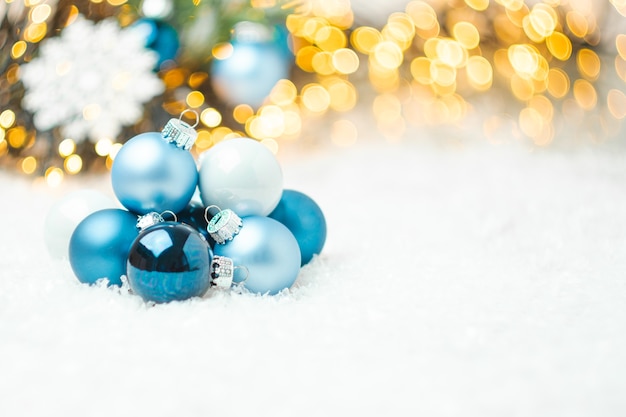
{"type": "Point", "coordinates": [330, 38]}
{"type": "Point", "coordinates": [282, 94]}
{"type": "Point", "coordinates": [588, 63]}
{"type": "Point", "coordinates": [29, 165]}
{"type": "Point", "coordinates": [585, 94]}
{"type": "Point", "coordinates": [577, 23]}
{"type": "Point", "coordinates": [365, 38]}
{"type": "Point", "coordinates": [210, 117]}
{"type": "Point", "coordinates": [559, 46]}
{"type": "Point", "coordinates": [195, 99]}
{"type": "Point", "coordinates": [322, 63]}
{"type": "Point", "coordinates": [466, 34]}
{"type": "Point", "coordinates": [478, 5]}
{"type": "Point", "coordinates": [7, 118]}
{"type": "Point", "coordinates": [616, 103]}
{"type": "Point", "coordinates": [315, 98]}
{"type": "Point", "coordinates": [345, 61]}
{"type": "Point", "coordinates": [479, 72]}
{"type": "Point", "coordinates": [558, 83]}
{"type": "Point", "coordinates": [423, 15]}
{"type": "Point", "coordinates": [420, 70]}
{"type": "Point", "coordinates": [54, 176]}
{"type": "Point", "coordinates": [388, 55]}
{"type": "Point", "coordinates": [242, 112]}
{"type": "Point", "coordinates": [73, 164]}
{"type": "Point", "coordinates": [102, 147]}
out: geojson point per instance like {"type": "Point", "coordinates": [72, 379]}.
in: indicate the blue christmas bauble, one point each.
{"type": "Point", "coordinates": [99, 245]}
{"type": "Point", "coordinates": [150, 174]}
{"type": "Point", "coordinates": [240, 174]}
{"type": "Point", "coordinates": [195, 216]}
{"type": "Point", "coordinates": [267, 254]}
{"type": "Point", "coordinates": [304, 218]}
{"type": "Point", "coordinates": [169, 261]}
{"type": "Point", "coordinates": [249, 73]}
{"type": "Point", "coordinates": [161, 37]}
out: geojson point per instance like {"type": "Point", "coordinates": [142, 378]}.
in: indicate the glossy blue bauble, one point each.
{"type": "Point", "coordinates": [149, 174]}
{"type": "Point", "coordinates": [304, 218]}
{"type": "Point", "coordinates": [269, 252]}
{"type": "Point", "coordinates": [100, 243]}
{"type": "Point", "coordinates": [248, 75]}
{"type": "Point", "coordinates": [161, 37]}
{"type": "Point", "coordinates": [194, 216]}
{"type": "Point", "coordinates": [169, 261]}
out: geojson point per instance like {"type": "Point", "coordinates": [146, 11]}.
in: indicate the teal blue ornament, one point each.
{"type": "Point", "coordinates": [257, 62]}
{"type": "Point", "coordinates": [154, 172]}
{"type": "Point", "coordinates": [99, 245]}
{"type": "Point", "coordinates": [169, 261]}
{"type": "Point", "coordinates": [196, 216]}
{"type": "Point", "coordinates": [266, 254]}
{"type": "Point", "coordinates": [305, 219]}
{"type": "Point", "coordinates": [160, 36]}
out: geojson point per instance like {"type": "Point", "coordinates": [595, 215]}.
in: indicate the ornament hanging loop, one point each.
{"type": "Point", "coordinates": [180, 118]}
{"type": "Point", "coordinates": [206, 211]}
{"type": "Point", "coordinates": [170, 212]}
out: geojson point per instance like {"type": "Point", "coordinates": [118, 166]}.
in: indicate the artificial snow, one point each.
{"type": "Point", "coordinates": [457, 280]}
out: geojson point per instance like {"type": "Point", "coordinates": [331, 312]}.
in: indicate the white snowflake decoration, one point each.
{"type": "Point", "coordinates": [91, 81]}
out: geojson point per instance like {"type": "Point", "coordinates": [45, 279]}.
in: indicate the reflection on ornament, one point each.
{"type": "Point", "coordinates": [169, 261]}
{"type": "Point", "coordinates": [99, 245]}
{"type": "Point", "coordinates": [268, 251]}
{"type": "Point", "coordinates": [304, 218]}
{"type": "Point", "coordinates": [242, 175]}
{"type": "Point", "coordinates": [256, 63]}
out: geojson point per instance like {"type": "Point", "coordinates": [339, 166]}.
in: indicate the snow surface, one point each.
{"type": "Point", "coordinates": [469, 280]}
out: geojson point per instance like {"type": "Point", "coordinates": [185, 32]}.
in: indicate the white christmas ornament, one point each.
{"type": "Point", "coordinates": [90, 81]}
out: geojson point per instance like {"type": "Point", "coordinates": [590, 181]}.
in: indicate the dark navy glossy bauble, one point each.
{"type": "Point", "coordinates": [267, 254]}
{"type": "Point", "coordinates": [161, 37]}
{"type": "Point", "coordinates": [169, 261]}
{"type": "Point", "coordinates": [194, 216]}
{"type": "Point", "coordinates": [99, 245]}
{"type": "Point", "coordinates": [305, 219]}
{"type": "Point", "coordinates": [150, 174]}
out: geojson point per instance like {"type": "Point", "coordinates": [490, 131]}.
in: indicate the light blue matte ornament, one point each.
{"type": "Point", "coordinates": [169, 261]}
{"type": "Point", "coordinates": [257, 62]}
{"type": "Point", "coordinates": [99, 245]}
{"type": "Point", "coordinates": [154, 172]}
{"type": "Point", "coordinates": [305, 219]}
{"type": "Point", "coordinates": [266, 253]}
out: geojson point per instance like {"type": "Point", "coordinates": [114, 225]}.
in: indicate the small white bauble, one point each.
{"type": "Point", "coordinates": [65, 214]}
{"type": "Point", "coordinates": [240, 174]}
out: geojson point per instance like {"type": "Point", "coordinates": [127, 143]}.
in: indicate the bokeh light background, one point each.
{"type": "Point", "coordinates": [548, 73]}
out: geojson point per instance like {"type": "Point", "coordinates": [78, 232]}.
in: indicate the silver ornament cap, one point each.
{"type": "Point", "coordinates": [152, 218]}
{"type": "Point", "coordinates": [224, 225]}
{"type": "Point", "coordinates": [149, 219]}
{"type": "Point", "coordinates": [180, 133]}
{"type": "Point", "coordinates": [222, 272]}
